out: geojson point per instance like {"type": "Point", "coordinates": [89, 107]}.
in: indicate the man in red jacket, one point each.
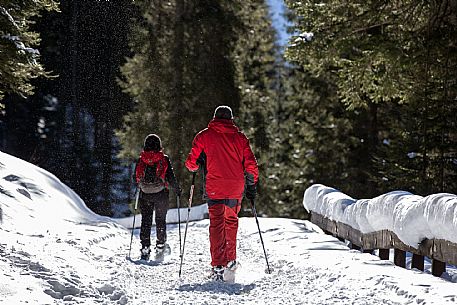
{"type": "Point", "coordinates": [231, 168]}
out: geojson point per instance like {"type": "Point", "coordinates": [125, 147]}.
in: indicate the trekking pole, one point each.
{"type": "Point", "coordinates": [134, 214]}
{"type": "Point", "coordinates": [261, 239]}
{"type": "Point", "coordinates": [187, 221]}
{"type": "Point", "coordinates": [179, 222]}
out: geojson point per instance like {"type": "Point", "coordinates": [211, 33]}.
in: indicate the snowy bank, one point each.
{"type": "Point", "coordinates": [411, 217]}
{"type": "Point", "coordinates": [51, 244]}
{"type": "Point", "coordinates": [35, 201]}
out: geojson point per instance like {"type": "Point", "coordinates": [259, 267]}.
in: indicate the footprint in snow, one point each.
{"type": "Point", "coordinates": [25, 193]}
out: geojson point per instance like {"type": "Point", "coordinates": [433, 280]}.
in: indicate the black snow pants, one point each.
{"type": "Point", "coordinates": [149, 203]}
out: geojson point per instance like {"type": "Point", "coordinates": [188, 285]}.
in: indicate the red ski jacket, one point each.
{"type": "Point", "coordinates": [228, 158]}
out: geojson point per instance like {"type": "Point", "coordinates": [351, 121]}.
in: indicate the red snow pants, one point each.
{"type": "Point", "coordinates": [223, 228]}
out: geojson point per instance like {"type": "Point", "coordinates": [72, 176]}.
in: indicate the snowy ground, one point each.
{"type": "Point", "coordinates": [77, 257]}
{"type": "Point", "coordinates": [308, 268]}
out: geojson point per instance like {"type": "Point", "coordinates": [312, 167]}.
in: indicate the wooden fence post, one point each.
{"type": "Point", "coordinates": [400, 258]}
{"type": "Point", "coordinates": [355, 247]}
{"type": "Point", "coordinates": [440, 251]}
{"type": "Point", "coordinates": [438, 267]}
{"type": "Point", "coordinates": [384, 254]}
{"type": "Point", "coordinates": [418, 262]}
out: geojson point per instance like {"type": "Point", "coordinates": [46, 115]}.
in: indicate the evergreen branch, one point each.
{"type": "Point", "coordinates": [371, 27]}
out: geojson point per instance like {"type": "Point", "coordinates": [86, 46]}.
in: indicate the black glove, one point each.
{"type": "Point", "coordinates": [250, 191]}
{"type": "Point", "coordinates": [201, 160]}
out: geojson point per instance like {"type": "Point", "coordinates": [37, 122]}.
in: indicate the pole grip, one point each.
{"type": "Point", "coordinates": [191, 194]}
{"type": "Point", "coordinates": [137, 197]}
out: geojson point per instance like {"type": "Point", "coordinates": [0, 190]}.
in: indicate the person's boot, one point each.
{"type": "Point", "coordinates": [145, 253]}
{"type": "Point", "coordinates": [160, 247]}
{"type": "Point", "coordinates": [218, 273]}
{"type": "Point", "coordinates": [232, 265]}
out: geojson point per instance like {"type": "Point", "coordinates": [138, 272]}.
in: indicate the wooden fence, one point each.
{"type": "Point", "coordinates": [438, 250]}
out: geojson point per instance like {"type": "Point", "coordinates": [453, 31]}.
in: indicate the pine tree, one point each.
{"type": "Point", "coordinates": [421, 156]}
{"type": "Point", "coordinates": [67, 126]}
{"type": "Point", "coordinates": [178, 74]}
{"type": "Point", "coordinates": [312, 123]}
{"type": "Point", "coordinates": [255, 58]}
{"type": "Point", "coordinates": [19, 56]}
{"type": "Point", "coordinates": [349, 44]}
{"type": "Point", "coordinates": [390, 62]}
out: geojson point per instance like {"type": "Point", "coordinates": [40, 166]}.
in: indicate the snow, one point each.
{"type": "Point", "coordinates": [10, 18]}
{"type": "Point", "coordinates": [411, 217]}
{"type": "Point", "coordinates": [53, 250]}
{"type": "Point", "coordinates": [326, 201]}
{"type": "Point", "coordinates": [19, 44]}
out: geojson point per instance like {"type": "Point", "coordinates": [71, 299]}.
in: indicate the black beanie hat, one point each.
{"type": "Point", "coordinates": [223, 112]}
{"type": "Point", "coordinates": [152, 143]}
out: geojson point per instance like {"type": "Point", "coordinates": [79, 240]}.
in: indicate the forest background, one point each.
{"type": "Point", "coordinates": [362, 98]}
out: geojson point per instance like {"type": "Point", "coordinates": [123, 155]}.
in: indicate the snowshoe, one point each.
{"type": "Point", "coordinates": [230, 270]}
{"type": "Point", "coordinates": [161, 251]}
{"type": "Point", "coordinates": [218, 273]}
{"type": "Point", "coordinates": [160, 247]}
{"type": "Point", "coordinates": [232, 265]}
{"type": "Point", "coordinates": [145, 253]}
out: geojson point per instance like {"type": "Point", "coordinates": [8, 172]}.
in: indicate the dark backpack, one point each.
{"type": "Point", "coordinates": [151, 183]}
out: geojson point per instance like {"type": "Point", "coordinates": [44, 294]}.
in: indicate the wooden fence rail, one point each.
{"type": "Point", "coordinates": [438, 250]}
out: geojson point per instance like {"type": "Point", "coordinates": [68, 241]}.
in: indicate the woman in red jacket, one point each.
{"type": "Point", "coordinates": [154, 174]}
{"type": "Point", "coordinates": [231, 168]}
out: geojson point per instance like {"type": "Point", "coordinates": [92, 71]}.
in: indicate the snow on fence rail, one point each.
{"type": "Point", "coordinates": [423, 226]}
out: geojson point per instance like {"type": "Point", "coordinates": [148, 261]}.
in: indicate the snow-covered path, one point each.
{"type": "Point", "coordinates": [53, 250]}
{"type": "Point", "coordinates": [308, 268]}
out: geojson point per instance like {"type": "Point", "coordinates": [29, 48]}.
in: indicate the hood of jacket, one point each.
{"type": "Point", "coordinates": [151, 157]}
{"type": "Point", "coordinates": [223, 126]}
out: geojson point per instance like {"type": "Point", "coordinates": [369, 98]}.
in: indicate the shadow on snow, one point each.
{"type": "Point", "coordinates": [218, 287]}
